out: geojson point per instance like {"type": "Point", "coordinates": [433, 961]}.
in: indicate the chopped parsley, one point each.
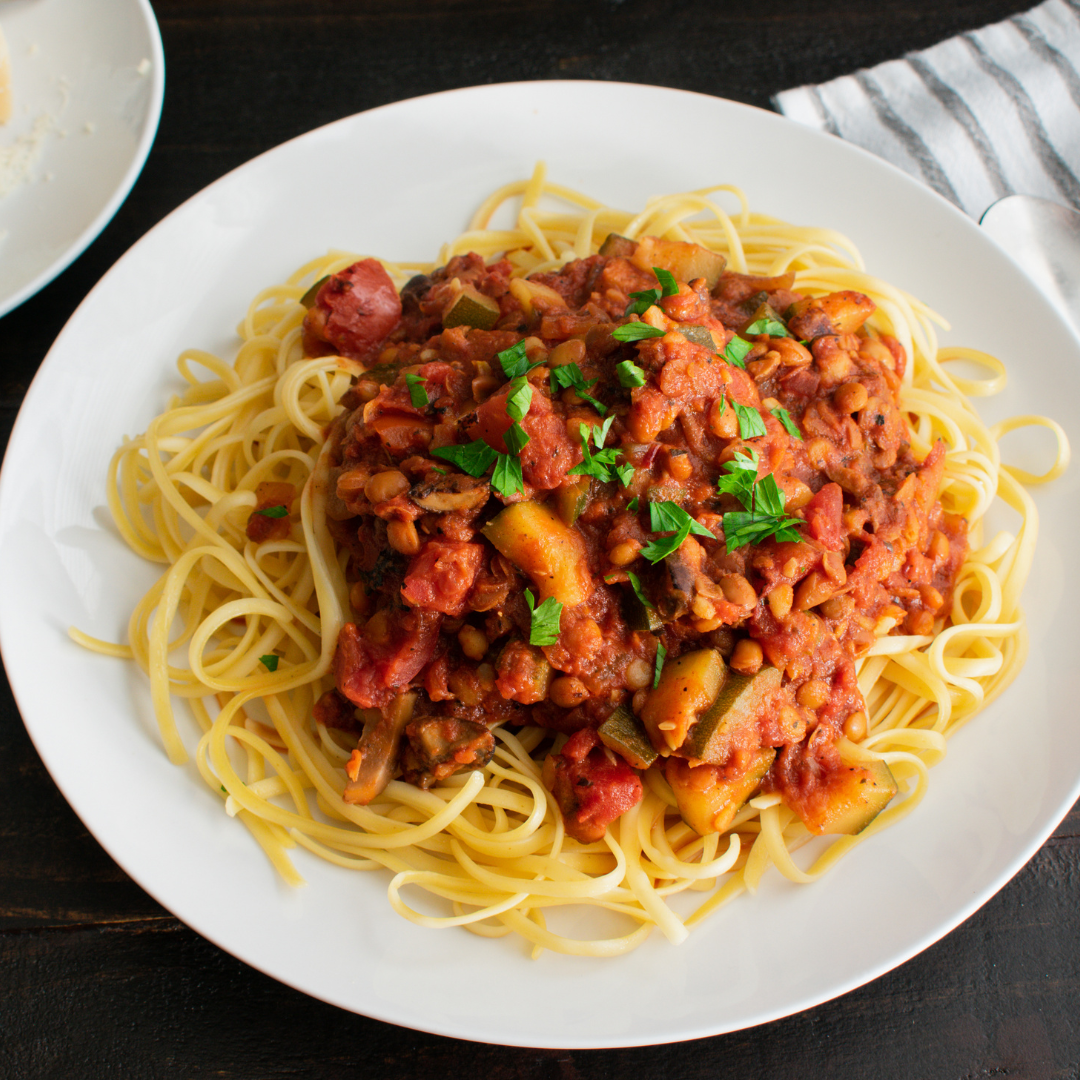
{"type": "Point", "coordinates": [767, 325]}
{"type": "Point", "coordinates": [735, 351]}
{"type": "Point", "coordinates": [441, 472]}
{"type": "Point", "coordinates": [544, 627]}
{"type": "Point", "coordinates": [570, 377]}
{"type": "Point", "coordinates": [635, 584]}
{"type": "Point", "coordinates": [270, 661]}
{"type": "Point", "coordinates": [625, 473]}
{"type": "Point", "coordinates": [602, 463]}
{"type": "Point", "coordinates": [474, 458]}
{"type": "Point", "coordinates": [636, 331]}
{"type": "Point", "coordinates": [519, 397]}
{"type": "Point", "coordinates": [661, 656]}
{"type": "Point", "coordinates": [750, 423]}
{"type": "Point", "coordinates": [630, 375]}
{"type": "Point", "coordinates": [274, 512]}
{"type": "Point", "coordinates": [784, 417]}
{"type": "Point", "coordinates": [763, 502]}
{"type": "Point", "coordinates": [507, 479]}
{"type": "Point", "coordinates": [514, 361]}
{"type": "Point", "coordinates": [417, 391]}
{"type": "Point", "coordinates": [515, 438]}
{"type": "Point", "coordinates": [642, 301]}
{"type": "Point", "coordinates": [670, 517]}
{"type": "Point", "coordinates": [632, 505]}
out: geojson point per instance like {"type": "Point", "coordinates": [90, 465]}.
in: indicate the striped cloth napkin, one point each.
{"type": "Point", "coordinates": [989, 113]}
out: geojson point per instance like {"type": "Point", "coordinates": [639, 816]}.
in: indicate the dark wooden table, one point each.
{"type": "Point", "coordinates": [97, 980]}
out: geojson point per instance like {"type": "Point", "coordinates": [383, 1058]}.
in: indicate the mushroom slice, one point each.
{"type": "Point", "coordinates": [372, 764]}
{"type": "Point", "coordinates": [454, 491]}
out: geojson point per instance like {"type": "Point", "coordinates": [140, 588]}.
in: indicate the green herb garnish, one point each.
{"type": "Point", "coordinates": [515, 438]}
{"type": "Point", "coordinates": [632, 505]}
{"type": "Point", "coordinates": [763, 501]}
{"type": "Point", "coordinates": [630, 375]}
{"type": "Point", "coordinates": [645, 299]}
{"type": "Point", "coordinates": [784, 417]}
{"type": "Point", "coordinates": [274, 512]}
{"type": "Point", "coordinates": [474, 458]}
{"type": "Point", "coordinates": [735, 351]}
{"type": "Point", "coordinates": [636, 331]}
{"type": "Point", "coordinates": [417, 391]}
{"type": "Point", "coordinates": [767, 325]}
{"type": "Point", "coordinates": [635, 584]}
{"type": "Point", "coordinates": [625, 473]}
{"type": "Point", "coordinates": [519, 397]}
{"type": "Point", "coordinates": [601, 464]}
{"type": "Point", "coordinates": [750, 423]}
{"type": "Point", "coordinates": [670, 517]}
{"type": "Point", "coordinates": [661, 656]}
{"type": "Point", "coordinates": [544, 626]}
{"type": "Point", "coordinates": [270, 662]}
{"type": "Point", "coordinates": [570, 377]}
{"type": "Point", "coordinates": [514, 361]}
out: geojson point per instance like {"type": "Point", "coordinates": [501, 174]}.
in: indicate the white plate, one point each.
{"type": "Point", "coordinates": [96, 73]}
{"type": "Point", "coordinates": [398, 181]}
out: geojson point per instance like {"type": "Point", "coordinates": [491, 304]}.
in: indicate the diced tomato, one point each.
{"type": "Point", "coordinates": [356, 310]}
{"type": "Point", "coordinates": [823, 517]}
{"type": "Point", "coordinates": [441, 576]}
{"type": "Point", "coordinates": [370, 674]}
{"type": "Point", "coordinates": [592, 785]}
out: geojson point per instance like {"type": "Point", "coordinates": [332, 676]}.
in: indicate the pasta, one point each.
{"type": "Point", "coordinates": [258, 621]}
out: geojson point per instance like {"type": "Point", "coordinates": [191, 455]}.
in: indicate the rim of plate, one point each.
{"type": "Point", "coordinates": [796, 1005]}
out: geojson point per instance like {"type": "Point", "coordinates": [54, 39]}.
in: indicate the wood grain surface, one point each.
{"type": "Point", "coordinates": [96, 979]}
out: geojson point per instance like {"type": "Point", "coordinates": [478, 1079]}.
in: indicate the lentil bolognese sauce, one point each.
{"type": "Point", "coordinates": [616, 557]}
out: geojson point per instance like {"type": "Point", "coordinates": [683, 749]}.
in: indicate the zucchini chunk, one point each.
{"type": "Point", "coordinates": [638, 615]}
{"type": "Point", "coordinates": [741, 701]}
{"type": "Point", "coordinates": [852, 797]}
{"type": "Point", "coordinates": [687, 687]}
{"type": "Point", "coordinates": [616, 246]}
{"type": "Point", "coordinates": [535, 539]}
{"type": "Point", "coordinates": [624, 733]}
{"type": "Point", "coordinates": [686, 261]}
{"type": "Point", "coordinates": [572, 498]}
{"type": "Point", "coordinates": [471, 308]}
{"type": "Point", "coordinates": [708, 802]}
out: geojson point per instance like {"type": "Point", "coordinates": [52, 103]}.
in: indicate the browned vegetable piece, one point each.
{"type": "Point", "coordinates": [837, 313]}
{"type": "Point", "coordinates": [471, 308]}
{"type": "Point", "coordinates": [524, 674]}
{"type": "Point", "coordinates": [688, 686]}
{"type": "Point", "coordinates": [454, 491]}
{"type": "Point", "coordinates": [371, 766]}
{"type": "Point", "coordinates": [533, 537]}
{"type": "Point", "coordinates": [624, 733]}
{"type": "Point", "coordinates": [616, 246]}
{"type": "Point", "coordinates": [740, 702]}
{"type": "Point", "coordinates": [707, 800]}
{"type": "Point", "coordinates": [853, 796]}
{"type": "Point", "coordinates": [573, 497]}
{"type": "Point", "coordinates": [308, 299]}
{"type": "Point", "coordinates": [687, 262]}
{"type": "Point", "coordinates": [699, 335]}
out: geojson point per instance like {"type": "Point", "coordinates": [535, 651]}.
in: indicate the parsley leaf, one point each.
{"type": "Point", "coordinates": [667, 281]}
{"type": "Point", "coordinates": [514, 361]}
{"type": "Point", "coordinates": [270, 662]}
{"type": "Point", "coordinates": [474, 458]}
{"type": "Point", "coordinates": [636, 331]}
{"type": "Point", "coordinates": [742, 528]}
{"type": "Point", "coordinates": [603, 461]}
{"type": "Point", "coordinates": [519, 398]}
{"type": "Point", "coordinates": [544, 626]}
{"type": "Point", "coordinates": [507, 479]}
{"type": "Point", "coordinates": [767, 325]}
{"type": "Point", "coordinates": [661, 656]}
{"type": "Point", "coordinates": [632, 505]}
{"type": "Point", "coordinates": [274, 512]}
{"type": "Point", "coordinates": [417, 391]}
{"type": "Point", "coordinates": [515, 438]}
{"type": "Point", "coordinates": [441, 472]}
{"type": "Point", "coordinates": [665, 517]}
{"type": "Point", "coordinates": [741, 478]}
{"type": "Point", "coordinates": [645, 299]}
{"type": "Point", "coordinates": [735, 351]}
{"type": "Point", "coordinates": [625, 473]}
{"type": "Point", "coordinates": [570, 377]}
{"type": "Point", "coordinates": [635, 584]}
{"type": "Point", "coordinates": [784, 417]}
{"type": "Point", "coordinates": [630, 374]}
{"type": "Point", "coordinates": [750, 423]}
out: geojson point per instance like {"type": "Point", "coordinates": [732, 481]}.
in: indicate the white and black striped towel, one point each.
{"type": "Point", "coordinates": [986, 114]}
